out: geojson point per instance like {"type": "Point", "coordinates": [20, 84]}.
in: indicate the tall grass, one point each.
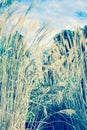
{"type": "Point", "coordinates": [15, 85]}
{"type": "Point", "coordinates": [42, 84]}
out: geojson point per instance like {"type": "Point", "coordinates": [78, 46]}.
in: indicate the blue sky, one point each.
{"type": "Point", "coordinates": [61, 13]}
{"type": "Point", "coordinates": [58, 14]}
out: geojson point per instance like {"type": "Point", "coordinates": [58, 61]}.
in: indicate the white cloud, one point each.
{"type": "Point", "coordinates": [59, 14]}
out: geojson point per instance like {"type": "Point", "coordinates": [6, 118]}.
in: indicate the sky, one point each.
{"type": "Point", "coordinates": [56, 14]}
{"type": "Point", "coordinates": [61, 13]}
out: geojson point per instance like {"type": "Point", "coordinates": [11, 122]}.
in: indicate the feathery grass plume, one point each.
{"type": "Point", "coordinates": [63, 87]}
{"type": "Point", "coordinates": [15, 85]}
{"type": "Point", "coordinates": [15, 78]}
{"type": "Point", "coordinates": [42, 86]}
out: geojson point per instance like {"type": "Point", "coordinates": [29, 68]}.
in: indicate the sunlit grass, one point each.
{"type": "Point", "coordinates": [39, 81]}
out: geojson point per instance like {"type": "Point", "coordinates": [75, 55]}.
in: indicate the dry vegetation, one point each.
{"type": "Point", "coordinates": [39, 83]}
